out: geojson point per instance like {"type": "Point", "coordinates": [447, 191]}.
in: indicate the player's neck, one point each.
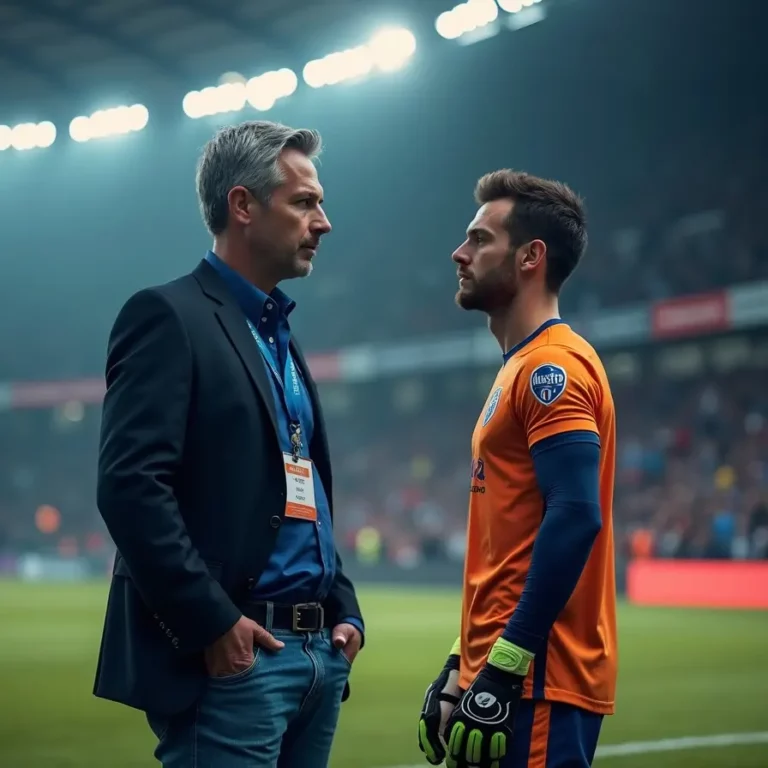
{"type": "Point", "coordinates": [521, 318]}
{"type": "Point", "coordinates": [238, 259]}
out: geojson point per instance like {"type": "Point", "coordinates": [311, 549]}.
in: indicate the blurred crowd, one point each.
{"type": "Point", "coordinates": [693, 225]}
{"type": "Point", "coordinates": [48, 482]}
{"type": "Point", "coordinates": [692, 476]}
{"type": "Point", "coordinates": [692, 470]}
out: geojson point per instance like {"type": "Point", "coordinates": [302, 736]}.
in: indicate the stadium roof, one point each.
{"type": "Point", "coordinates": [60, 49]}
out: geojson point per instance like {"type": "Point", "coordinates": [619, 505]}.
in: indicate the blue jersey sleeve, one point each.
{"type": "Point", "coordinates": [567, 467]}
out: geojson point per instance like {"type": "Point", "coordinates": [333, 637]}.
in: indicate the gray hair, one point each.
{"type": "Point", "coordinates": [246, 155]}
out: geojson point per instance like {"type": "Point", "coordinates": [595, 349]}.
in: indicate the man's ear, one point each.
{"type": "Point", "coordinates": [239, 201]}
{"type": "Point", "coordinates": [533, 255]}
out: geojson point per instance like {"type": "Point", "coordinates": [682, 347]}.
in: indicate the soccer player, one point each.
{"type": "Point", "coordinates": [533, 672]}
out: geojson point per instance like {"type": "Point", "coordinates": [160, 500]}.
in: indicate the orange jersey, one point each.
{"type": "Point", "coordinates": [553, 383]}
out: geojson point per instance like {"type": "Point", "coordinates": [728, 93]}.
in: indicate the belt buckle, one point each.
{"type": "Point", "coordinates": [297, 609]}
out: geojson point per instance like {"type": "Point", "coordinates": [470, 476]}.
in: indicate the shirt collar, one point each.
{"type": "Point", "coordinates": [528, 339]}
{"type": "Point", "coordinates": [252, 300]}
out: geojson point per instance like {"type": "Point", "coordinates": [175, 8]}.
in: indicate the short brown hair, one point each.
{"type": "Point", "coordinates": [544, 210]}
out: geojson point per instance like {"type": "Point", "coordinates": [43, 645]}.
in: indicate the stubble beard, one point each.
{"type": "Point", "coordinates": [302, 267]}
{"type": "Point", "coordinates": [495, 291]}
{"type": "Point", "coordinates": [292, 265]}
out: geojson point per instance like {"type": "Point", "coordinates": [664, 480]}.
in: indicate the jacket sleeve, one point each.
{"type": "Point", "coordinates": [145, 410]}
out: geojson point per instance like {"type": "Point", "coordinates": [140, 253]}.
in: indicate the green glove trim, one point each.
{"type": "Point", "coordinates": [510, 657]}
{"type": "Point", "coordinates": [426, 745]}
{"type": "Point", "coordinates": [456, 649]}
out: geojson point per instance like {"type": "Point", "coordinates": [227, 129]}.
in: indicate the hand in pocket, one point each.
{"type": "Point", "coordinates": [233, 652]}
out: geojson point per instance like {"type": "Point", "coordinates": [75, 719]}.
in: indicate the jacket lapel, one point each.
{"type": "Point", "coordinates": [235, 327]}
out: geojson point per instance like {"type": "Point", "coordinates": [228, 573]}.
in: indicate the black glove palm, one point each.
{"type": "Point", "coordinates": [441, 696]}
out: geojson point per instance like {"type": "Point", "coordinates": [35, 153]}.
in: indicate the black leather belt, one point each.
{"type": "Point", "coordinates": [304, 617]}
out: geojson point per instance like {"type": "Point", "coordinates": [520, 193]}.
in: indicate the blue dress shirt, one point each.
{"type": "Point", "coordinates": [302, 566]}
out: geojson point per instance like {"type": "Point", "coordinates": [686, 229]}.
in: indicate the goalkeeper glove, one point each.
{"type": "Point", "coordinates": [480, 729]}
{"type": "Point", "coordinates": [441, 697]}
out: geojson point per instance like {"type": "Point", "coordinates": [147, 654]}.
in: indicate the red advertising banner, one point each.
{"type": "Point", "coordinates": [46, 394]}
{"type": "Point", "coordinates": [324, 366]}
{"type": "Point", "coordinates": [690, 315]}
{"type": "Point", "coordinates": [699, 583]}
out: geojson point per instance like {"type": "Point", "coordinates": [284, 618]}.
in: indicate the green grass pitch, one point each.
{"type": "Point", "coordinates": [683, 673]}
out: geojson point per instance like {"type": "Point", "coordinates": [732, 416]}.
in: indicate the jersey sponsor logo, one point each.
{"type": "Point", "coordinates": [548, 382]}
{"type": "Point", "coordinates": [492, 405]}
{"type": "Point", "coordinates": [478, 476]}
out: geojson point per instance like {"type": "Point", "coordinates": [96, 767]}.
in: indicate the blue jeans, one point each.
{"type": "Point", "coordinates": [281, 712]}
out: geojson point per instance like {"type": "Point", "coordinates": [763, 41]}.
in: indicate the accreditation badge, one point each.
{"type": "Point", "coordinates": [300, 486]}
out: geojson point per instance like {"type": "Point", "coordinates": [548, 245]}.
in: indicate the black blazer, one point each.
{"type": "Point", "coordinates": [190, 485]}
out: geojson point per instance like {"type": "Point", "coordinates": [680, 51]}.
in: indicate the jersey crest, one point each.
{"type": "Point", "coordinates": [493, 403]}
{"type": "Point", "coordinates": [548, 382]}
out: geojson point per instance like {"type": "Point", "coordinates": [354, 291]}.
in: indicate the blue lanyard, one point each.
{"type": "Point", "coordinates": [291, 397]}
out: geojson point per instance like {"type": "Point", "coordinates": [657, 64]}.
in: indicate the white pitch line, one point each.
{"type": "Point", "coordinates": [686, 742]}
{"type": "Point", "coordinates": [666, 745]}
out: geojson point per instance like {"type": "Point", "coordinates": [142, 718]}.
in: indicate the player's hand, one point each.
{"type": "Point", "coordinates": [441, 697]}
{"type": "Point", "coordinates": [233, 651]}
{"type": "Point", "coordinates": [479, 731]}
{"type": "Point", "coordinates": [347, 639]}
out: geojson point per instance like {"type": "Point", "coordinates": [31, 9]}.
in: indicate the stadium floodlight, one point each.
{"type": "Point", "coordinates": [27, 136]}
{"type": "Point", "coordinates": [515, 6]}
{"type": "Point", "coordinates": [263, 91]}
{"type": "Point", "coordinates": [260, 92]}
{"type": "Point", "coordinates": [389, 49]}
{"type": "Point", "coordinates": [337, 67]}
{"type": "Point", "coordinates": [466, 17]}
{"type": "Point", "coordinates": [115, 121]}
{"type": "Point", "coordinates": [214, 100]}
{"type": "Point", "coordinates": [46, 134]}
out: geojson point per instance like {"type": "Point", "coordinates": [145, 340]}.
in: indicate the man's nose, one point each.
{"type": "Point", "coordinates": [460, 256]}
{"type": "Point", "coordinates": [322, 225]}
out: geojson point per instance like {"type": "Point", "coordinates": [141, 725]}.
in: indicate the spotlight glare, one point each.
{"type": "Point", "coordinates": [23, 136]}
{"type": "Point", "coordinates": [115, 121]}
{"type": "Point", "coordinates": [391, 48]}
{"type": "Point", "coordinates": [191, 105]}
{"type": "Point", "coordinates": [511, 6]}
{"type": "Point", "coordinates": [447, 25]}
{"type": "Point", "coordinates": [233, 93]}
{"type": "Point", "coordinates": [313, 74]}
{"type": "Point", "coordinates": [46, 134]}
{"type": "Point", "coordinates": [138, 117]}
{"type": "Point", "coordinates": [386, 51]}
{"type": "Point", "coordinates": [26, 136]}
{"type": "Point", "coordinates": [80, 129]}
{"type": "Point", "coordinates": [466, 17]}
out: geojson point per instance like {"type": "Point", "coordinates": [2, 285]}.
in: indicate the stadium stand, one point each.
{"type": "Point", "coordinates": [692, 460]}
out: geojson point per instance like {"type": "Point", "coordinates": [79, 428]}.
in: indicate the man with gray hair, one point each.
{"type": "Point", "coordinates": [229, 621]}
